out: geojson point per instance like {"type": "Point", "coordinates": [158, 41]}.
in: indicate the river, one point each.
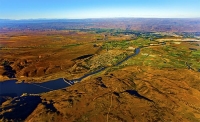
{"type": "Point", "coordinates": [11, 88]}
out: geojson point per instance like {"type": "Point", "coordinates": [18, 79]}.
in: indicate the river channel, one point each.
{"type": "Point", "coordinates": [11, 88]}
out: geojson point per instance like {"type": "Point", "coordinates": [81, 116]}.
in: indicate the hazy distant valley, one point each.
{"type": "Point", "coordinates": [137, 24]}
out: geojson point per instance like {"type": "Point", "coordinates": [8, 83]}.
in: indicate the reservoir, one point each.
{"type": "Point", "coordinates": [11, 88]}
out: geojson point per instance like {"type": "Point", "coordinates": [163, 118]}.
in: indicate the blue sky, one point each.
{"type": "Point", "coordinates": [73, 9]}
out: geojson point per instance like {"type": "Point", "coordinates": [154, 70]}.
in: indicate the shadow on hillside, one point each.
{"type": "Point", "coordinates": [50, 106]}
{"type": "Point", "coordinates": [135, 93]}
{"type": "Point", "coordinates": [9, 72]}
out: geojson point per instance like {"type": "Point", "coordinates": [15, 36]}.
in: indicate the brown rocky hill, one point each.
{"type": "Point", "coordinates": [128, 94]}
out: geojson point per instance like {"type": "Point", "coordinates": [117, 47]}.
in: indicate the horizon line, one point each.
{"type": "Point", "coordinates": [102, 18]}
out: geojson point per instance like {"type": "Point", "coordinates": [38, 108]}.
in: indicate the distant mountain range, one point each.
{"type": "Point", "coordinates": [138, 24]}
